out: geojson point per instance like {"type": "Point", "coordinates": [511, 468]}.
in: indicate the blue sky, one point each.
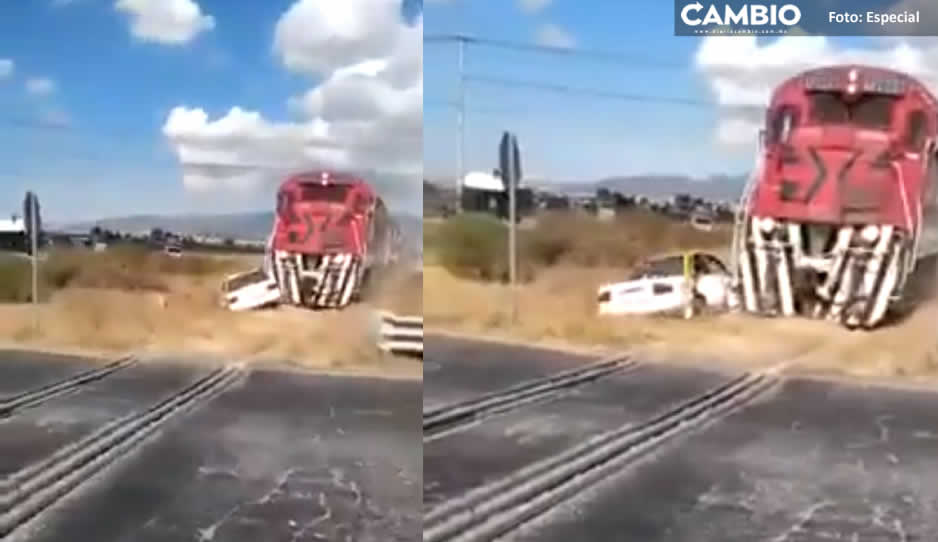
{"type": "Point", "coordinates": [578, 137]}
{"type": "Point", "coordinates": [116, 91]}
{"type": "Point", "coordinates": [570, 137]}
{"type": "Point", "coordinates": [93, 146]}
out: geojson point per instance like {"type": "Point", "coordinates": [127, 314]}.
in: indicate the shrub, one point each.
{"type": "Point", "coordinates": [473, 246]}
{"type": "Point", "coordinates": [15, 280]}
{"type": "Point", "coordinates": [127, 268]}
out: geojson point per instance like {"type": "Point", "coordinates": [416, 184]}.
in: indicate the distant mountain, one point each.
{"type": "Point", "coordinates": [716, 187]}
{"type": "Point", "coordinates": [249, 225]}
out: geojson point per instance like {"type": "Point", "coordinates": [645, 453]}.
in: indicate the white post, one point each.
{"type": "Point", "coordinates": [34, 234]}
{"type": "Point", "coordinates": [461, 121]}
{"type": "Point", "coordinates": [512, 240]}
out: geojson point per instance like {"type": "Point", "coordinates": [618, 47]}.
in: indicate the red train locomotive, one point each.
{"type": "Point", "coordinates": [330, 232]}
{"type": "Point", "coordinates": [842, 197]}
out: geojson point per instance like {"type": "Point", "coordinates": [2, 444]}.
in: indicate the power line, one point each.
{"type": "Point", "coordinates": [635, 59]}
{"type": "Point", "coordinates": [597, 93]}
{"type": "Point", "coordinates": [454, 104]}
{"type": "Point", "coordinates": [20, 122]}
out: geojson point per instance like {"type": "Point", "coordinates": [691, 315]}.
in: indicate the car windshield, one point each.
{"type": "Point", "coordinates": [663, 267]}
{"type": "Point", "coordinates": [245, 279]}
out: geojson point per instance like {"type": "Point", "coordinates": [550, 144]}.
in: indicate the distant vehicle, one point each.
{"type": "Point", "coordinates": [701, 222]}
{"type": "Point", "coordinates": [174, 251]}
{"type": "Point", "coordinates": [250, 290]}
{"type": "Point", "coordinates": [688, 282]}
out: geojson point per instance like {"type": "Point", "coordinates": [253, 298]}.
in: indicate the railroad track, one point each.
{"type": "Point", "coordinates": [497, 508]}
{"type": "Point", "coordinates": [10, 405]}
{"type": "Point", "coordinates": [453, 417]}
{"type": "Point", "coordinates": [26, 493]}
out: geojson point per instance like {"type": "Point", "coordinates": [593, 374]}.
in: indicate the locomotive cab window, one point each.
{"type": "Point", "coordinates": [781, 122]}
{"type": "Point", "coordinates": [334, 193]}
{"type": "Point", "coordinates": [915, 126]}
{"type": "Point", "coordinates": [872, 111]}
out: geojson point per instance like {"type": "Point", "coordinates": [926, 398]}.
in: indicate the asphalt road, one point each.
{"type": "Point", "coordinates": [278, 456]}
{"type": "Point", "coordinates": [23, 370]}
{"type": "Point", "coordinates": [472, 368]}
{"type": "Point", "coordinates": [806, 461]}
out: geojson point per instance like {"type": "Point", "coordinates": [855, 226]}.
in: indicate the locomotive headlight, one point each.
{"type": "Point", "coordinates": [870, 233]}
{"type": "Point", "coordinates": [767, 224]}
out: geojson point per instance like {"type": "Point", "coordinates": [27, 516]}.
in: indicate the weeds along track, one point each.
{"type": "Point", "coordinates": [33, 489]}
{"type": "Point", "coordinates": [10, 405]}
{"type": "Point", "coordinates": [497, 508]}
{"type": "Point", "coordinates": [450, 418]}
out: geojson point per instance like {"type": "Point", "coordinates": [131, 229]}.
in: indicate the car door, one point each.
{"type": "Point", "coordinates": [664, 286]}
{"type": "Point", "coordinates": [711, 278]}
{"type": "Point", "coordinates": [250, 290]}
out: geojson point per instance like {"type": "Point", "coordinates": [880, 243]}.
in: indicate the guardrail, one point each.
{"type": "Point", "coordinates": [400, 334]}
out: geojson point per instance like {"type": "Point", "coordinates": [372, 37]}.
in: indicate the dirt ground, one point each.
{"type": "Point", "coordinates": [187, 319]}
{"type": "Point", "coordinates": [559, 309]}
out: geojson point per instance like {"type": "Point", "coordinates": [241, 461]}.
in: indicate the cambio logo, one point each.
{"type": "Point", "coordinates": [748, 14]}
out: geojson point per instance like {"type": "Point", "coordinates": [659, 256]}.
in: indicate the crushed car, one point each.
{"type": "Point", "coordinates": [687, 283]}
{"type": "Point", "coordinates": [250, 290]}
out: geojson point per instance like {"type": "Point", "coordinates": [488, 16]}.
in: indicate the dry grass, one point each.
{"type": "Point", "coordinates": [573, 255]}
{"type": "Point", "coordinates": [560, 308]}
{"type": "Point", "coordinates": [116, 303]}
{"type": "Point", "coordinates": [475, 247]}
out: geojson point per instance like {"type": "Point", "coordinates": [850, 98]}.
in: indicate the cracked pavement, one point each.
{"type": "Point", "coordinates": [284, 456]}
{"type": "Point", "coordinates": [815, 461]}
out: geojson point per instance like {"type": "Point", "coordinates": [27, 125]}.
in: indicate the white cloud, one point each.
{"type": "Point", "coordinates": [318, 36]}
{"type": "Point", "coordinates": [6, 68]}
{"type": "Point", "coordinates": [364, 113]}
{"type": "Point", "coordinates": [54, 117]}
{"type": "Point", "coordinates": [533, 6]}
{"type": "Point", "coordinates": [40, 86]}
{"type": "Point", "coordinates": [742, 73]}
{"type": "Point", "coordinates": [552, 35]}
{"type": "Point", "coordinates": [171, 22]}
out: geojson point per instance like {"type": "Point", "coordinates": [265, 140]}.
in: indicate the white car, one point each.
{"type": "Point", "coordinates": [173, 251]}
{"type": "Point", "coordinates": [250, 290]}
{"type": "Point", "coordinates": [688, 282]}
{"type": "Point", "coordinates": [701, 222]}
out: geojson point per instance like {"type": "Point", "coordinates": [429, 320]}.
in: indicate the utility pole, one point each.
{"type": "Point", "coordinates": [461, 120]}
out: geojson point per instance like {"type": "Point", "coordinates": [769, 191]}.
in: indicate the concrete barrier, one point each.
{"type": "Point", "coordinates": [400, 334]}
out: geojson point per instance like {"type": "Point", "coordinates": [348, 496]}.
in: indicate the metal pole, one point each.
{"type": "Point", "coordinates": [461, 121]}
{"type": "Point", "coordinates": [33, 219]}
{"type": "Point", "coordinates": [512, 240]}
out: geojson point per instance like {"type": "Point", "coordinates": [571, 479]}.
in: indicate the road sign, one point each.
{"type": "Point", "coordinates": [31, 213]}
{"type": "Point", "coordinates": [33, 223]}
{"type": "Point", "coordinates": [509, 159]}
